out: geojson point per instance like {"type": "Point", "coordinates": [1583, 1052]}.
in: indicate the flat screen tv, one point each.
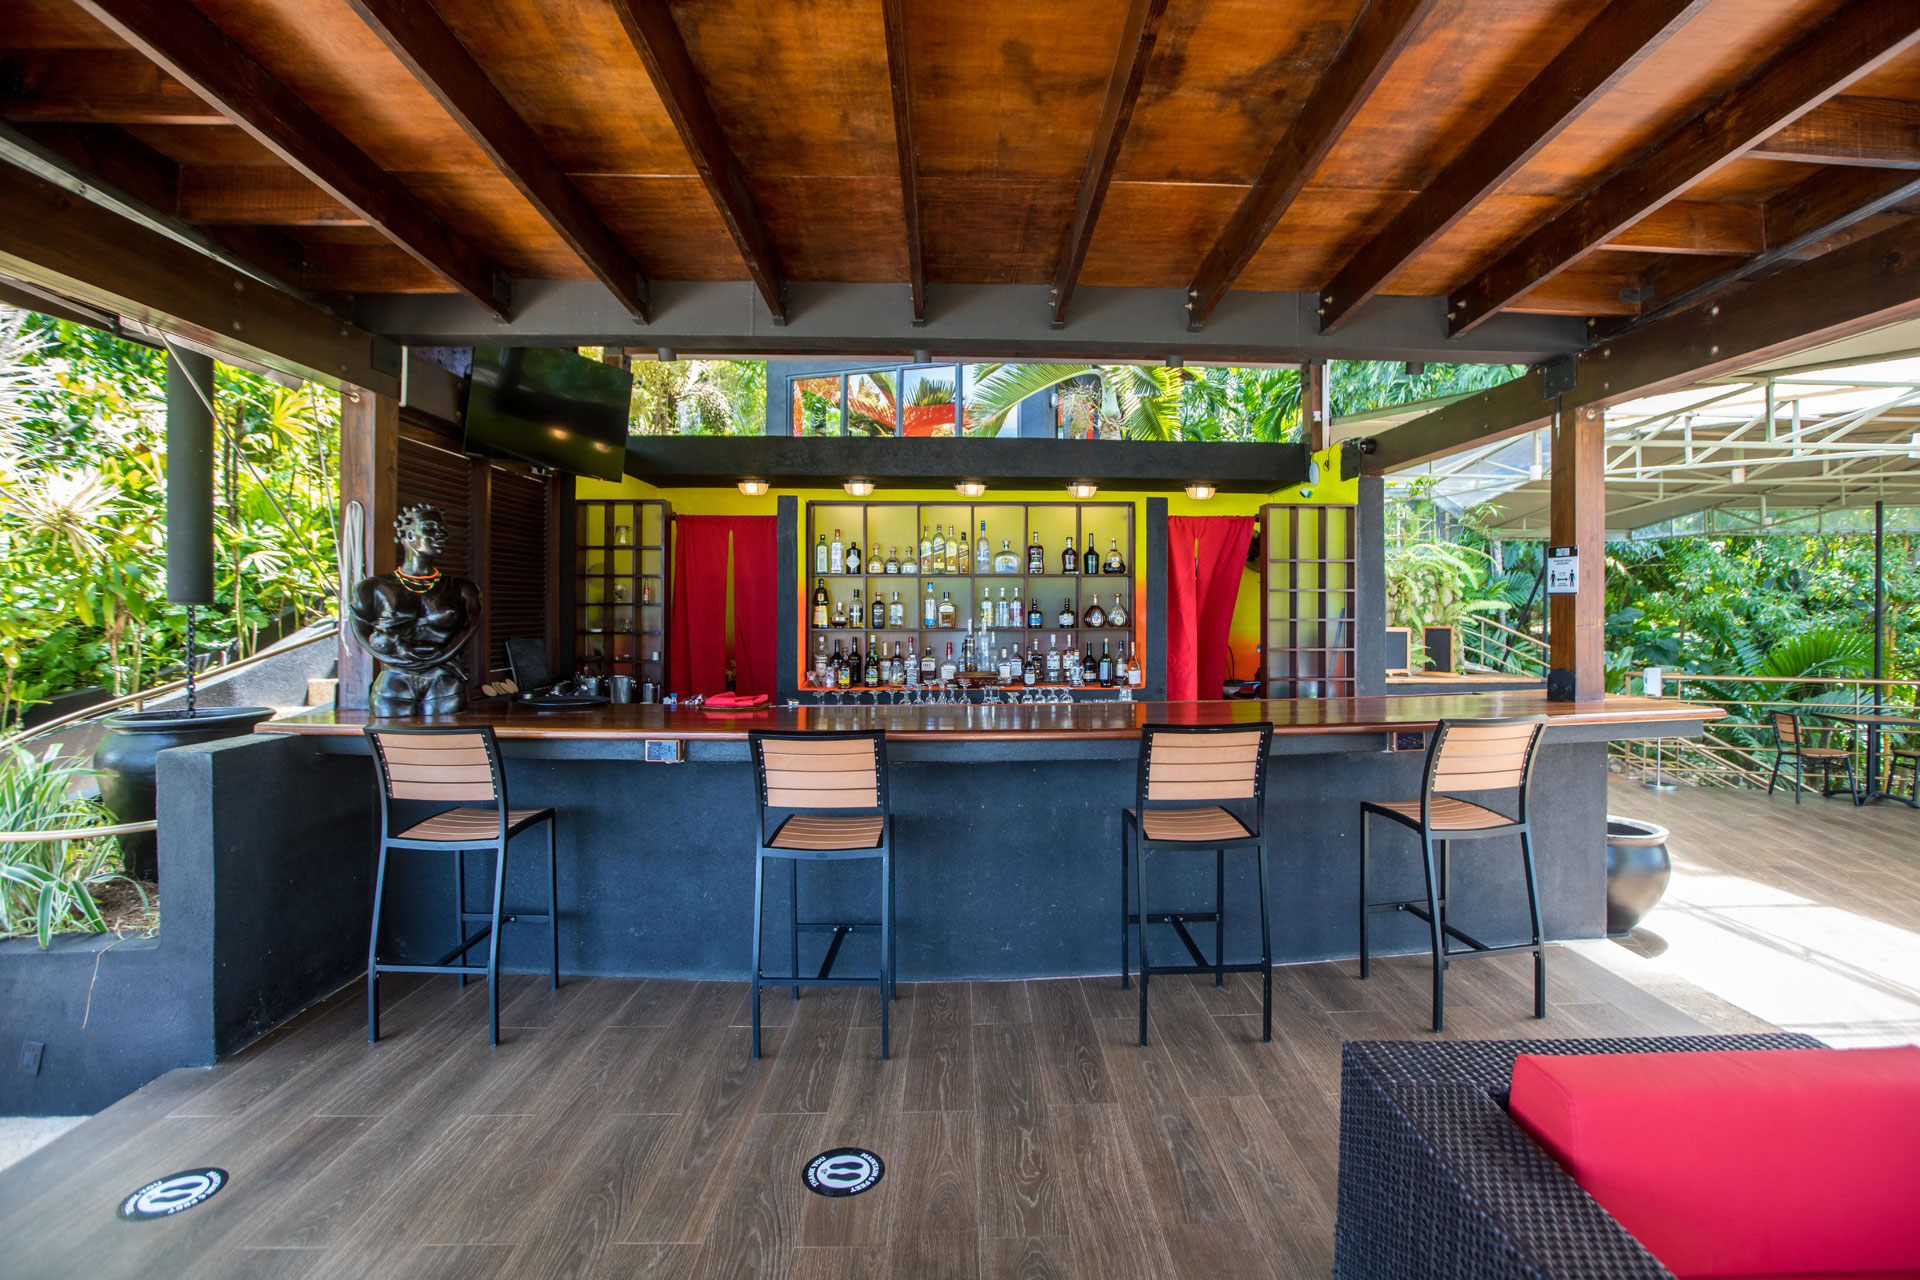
{"type": "Point", "coordinates": [551, 407]}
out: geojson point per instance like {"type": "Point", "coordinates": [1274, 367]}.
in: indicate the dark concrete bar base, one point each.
{"type": "Point", "coordinates": [1009, 857]}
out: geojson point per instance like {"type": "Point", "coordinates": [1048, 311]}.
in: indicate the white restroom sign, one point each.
{"type": "Point", "coordinates": [1563, 571]}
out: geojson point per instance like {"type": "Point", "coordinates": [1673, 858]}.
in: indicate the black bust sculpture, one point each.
{"type": "Point", "coordinates": [415, 621]}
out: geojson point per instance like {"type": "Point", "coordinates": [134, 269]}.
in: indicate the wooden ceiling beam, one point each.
{"type": "Point", "coordinates": [95, 86]}
{"type": "Point", "coordinates": [656, 37]}
{"type": "Point", "coordinates": [1383, 29]}
{"type": "Point", "coordinates": [1606, 49]}
{"type": "Point", "coordinates": [1695, 227]}
{"type": "Point", "coordinates": [1858, 39]}
{"type": "Point", "coordinates": [190, 48]}
{"type": "Point", "coordinates": [1137, 38]}
{"type": "Point", "coordinates": [1875, 132]}
{"type": "Point", "coordinates": [1832, 200]}
{"type": "Point", "coordinates": [425, 45]}
{"type": "Point", "coordinates": [893, 15]}
{"type": "Point", "coordinates": [1865, 286]}
{"type": "Point", "coordinates": [257, 195]}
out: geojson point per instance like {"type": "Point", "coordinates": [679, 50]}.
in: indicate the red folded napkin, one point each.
{"type": "Point", "coordinates": [736, 700]}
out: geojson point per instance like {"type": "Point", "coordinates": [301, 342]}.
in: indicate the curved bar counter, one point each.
{"type": "Point", "coordinates": [1006, 819]}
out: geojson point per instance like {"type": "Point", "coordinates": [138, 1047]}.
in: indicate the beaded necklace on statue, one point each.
{"type": "Point", "coordinates": [418, 583]}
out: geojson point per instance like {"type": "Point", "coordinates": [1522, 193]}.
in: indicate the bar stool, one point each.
{"type": "Point", "coordinates": [421, 767]}
{"type": "Point", "coordinates": [1187, 776]}
{"type": "Point", "coordinates": [828, 792]}
{"type": "Point", "coordinates": [1471, 756]}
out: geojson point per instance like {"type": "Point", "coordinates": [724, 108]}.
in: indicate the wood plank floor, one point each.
{"type": "Point", "coordinates": [622, 1130]}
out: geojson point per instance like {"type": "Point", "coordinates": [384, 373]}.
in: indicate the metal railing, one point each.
{"type": "Point", "coordinates": [1495, 646]}
{"type": "Point", "coordinates": [1738, 751]}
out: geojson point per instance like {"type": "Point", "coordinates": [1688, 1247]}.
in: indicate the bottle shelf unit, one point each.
{"type": "Point", "coordinates": [897, 525]}
{"type": "Point", "coordinates": [1308, 601]}
{"type": "Point", "coordinates": [622, 588]}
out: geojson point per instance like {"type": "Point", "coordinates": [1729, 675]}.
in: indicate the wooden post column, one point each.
{"type": "Point", "coordinates": [1576, 629]}
{"type": "Point", "coordinates": [370, 476]}
{"type": "Point", "coordinates": [1316, 405]}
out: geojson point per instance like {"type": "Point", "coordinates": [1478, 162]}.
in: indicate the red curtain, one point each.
{"type": "Point", "coordinates": [701, 547]}
{"type": "Point", "coordinates": [1205, 558]}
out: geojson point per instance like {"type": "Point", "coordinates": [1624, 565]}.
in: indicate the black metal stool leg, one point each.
{"type": "Point", "coordinates": [1219, 917]}
{"type": "Point", "coordinates": [1539, 934]}
{"type": "Point", "coordinates": [1365, 857]}
{"type": "Point", "coordinates": [553, 905]}
{"type": "Point", "coordinates": [886, 943]}
{"type": "Point", "coordinates": [373, 949]}
{"type": "Point", "coordinates": [493, 944]}
{"type": "Point", "coordinates": [759, 897]}
{"type": "Point", "coordinates": [1776, 772]}
{"type": "Point", "coordinates": [793, 918]}
{"type": "Point", "coordinates": [1439, 939]}
{"type": "Point", "coordinates": [460, 903]}
{"type": "Point", "coordinates": [1125, 871]}
{"type": "Point", "coordinates": [1140, 895]}
{"type": "Point", "coordinates": [1266, 951]}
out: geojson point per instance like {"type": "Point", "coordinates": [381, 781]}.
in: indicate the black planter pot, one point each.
{"type": "Point", "coordinates": [128, 756]}
{"type": "Point", "coordinates": [1638, 869]}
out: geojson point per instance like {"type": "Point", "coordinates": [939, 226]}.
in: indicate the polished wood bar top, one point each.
{"type": "Point", "coordinates": [1011, 722]}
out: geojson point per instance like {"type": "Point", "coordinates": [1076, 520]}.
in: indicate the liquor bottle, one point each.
{"type": "Point", "coordinates": [986, 609]}
{"type": "Point", "coordinates": [1089, 668]}
{"type": "Point", "coordinates": [1034, 619]}
{"type": "Point", "coordinates": [926, 550]}
{"type": "Point", "coordinates": [1006, 561]}
{"type": "Point", "coordinates": [956, 552]}
{"type": "Point", "coordinates": [1095, 616]}
{"type": "Point", "coordinates": [896, 613]}
{"type": "Point", "coordinates": [1002, 611]}
{"type": "Point", "coordinates": [820, 664]}
{"type": "Point", "coordinates": [1017, 666]}
{"type": "Point", "coordinates": [1066, 618]}
{"type": "Point", "coordinates": [910, 673]}
{"type": "Point", "coordinates": [836, 555]}
{"type": "Point", "coordinates": [1135, 677]}
{"type": "Point", "coordinates": [1031, 671]}
{"type": "Point", "coordinates": [853, 557]}
{"type": "Point", "coordinates": [839, 613]}
{"type": "Point", "coordinates": [1036, 556]}
{"type": "Point", "coordinates": [929, 609]}
{"type": "Point", "coordinates": [982, 548]}
{"type": "Point", "coordinates": [1117, 616]}
{"type": "Point", "coordinates": [1115, 563]}
{"type": "Point", "coordinates": [968, 661]}
{"type": "Point", "coordinates": [1090, 563]}
{"type": "Point", "coordinates": [893, 559]}
{"type": "Point", "coordinates": [856, 669]}
{"type": "Point", "coordinates": [842, 672]}
{"type": "Point", "coordinates": [820, 618]}
{"type": "Point", "coordinates": [874, 679]}
{"type": "Point", "coordinates": [858, 612]}
{"type": "Point", "coordinates": [874, 563]}
{"type": "Point", "coordinates": [1053, 659]}
{"type": "Point", "coordinates": [878, 612]}
{"type": "Point", "coordinates": [946, 616]}
{"type": "Point", "coordinates": [1106, 667]}
{"type": "Point", "coordinates": [899, 675]}
{"type": "Point", "coordinates": [1003, 668]}
{"type": "Point", "coordinates": [1069, 560]}
{"type": "Point", "coordinates": [820, 554]}
{"type": "Point", "coordinates": [939, 551]}
{"type": "Point", "coordinates": [947, 669]}
{"type": "Point", "coordinates": [927, 667]}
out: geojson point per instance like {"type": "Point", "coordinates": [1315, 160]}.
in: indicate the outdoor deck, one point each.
{"type": "Point", "coordinates": [622, 1130]}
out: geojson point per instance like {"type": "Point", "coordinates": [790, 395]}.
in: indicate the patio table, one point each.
{"type": "Point", "coordinates": [1873, 722]}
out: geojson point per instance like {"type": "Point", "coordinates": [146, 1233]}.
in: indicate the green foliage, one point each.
{"type": "Point", "coordinates": [46, 887]}
{"type": "Point", "coordinates": [699, 398]}
{"type": "Point", "coordinates": [82, 511]}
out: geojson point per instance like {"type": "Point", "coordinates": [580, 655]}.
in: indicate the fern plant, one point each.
{"type": "Point", "coordinates": [47, 886]}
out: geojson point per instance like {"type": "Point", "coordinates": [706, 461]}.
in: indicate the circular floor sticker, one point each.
{"type": "Point", "coordinates": [175, 1193]}
{"type": "Point", "coordinates": [843, 1171]}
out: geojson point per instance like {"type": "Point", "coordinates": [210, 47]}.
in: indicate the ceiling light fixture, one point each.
{"type": "Point", "coordinates": [970, 488]}
{"type": "Point", "coordinates": [858, 488]}
{"type": "Point", "coordinates": [1200, 491]}
{"type": "Point", "coordinates": [754, 488]}
{"type": "Point", "coordinates": [1082, 489]}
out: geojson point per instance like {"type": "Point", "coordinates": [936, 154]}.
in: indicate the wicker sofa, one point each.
{"type": "Point", "coordinates": [1437, 1181]}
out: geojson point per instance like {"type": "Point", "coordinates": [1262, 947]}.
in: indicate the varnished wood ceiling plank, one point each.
{"type": "Point", "coordinates": [893, 15]}
{"type": "Point", "coordinates": [1116, 112]}
{"type": "Point", "coordinates": [1616, 41]}
{"type": "Point", "coordinates": [1859, 38]}
{"type": "Point", "coordinates": [189, 47]}
{"type": "Point", "coordinates": [1696, 227]}
{"type": "Point", "coordinates": [1378, 36]}
{"type": "Point", "coordinates": [434, 55]}
{"type": "Point", "coordinates": [650, 25]}
{"type": "Point", "coordinates": [95, 86]}
{"type": "Point", "coordinates": [1874, 132]}
{"type": "Point", "coordinates": [256, 195]}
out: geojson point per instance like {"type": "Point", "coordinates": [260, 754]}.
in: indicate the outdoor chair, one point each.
{"type": "Point", "coordinates": [1790, 739]}
{"type": "Point", "coordinates": [1465, 756]}
{"type": "Point", "coordinates": [827, 793]}
{"type": "Point", "coordinates": [425, 775]}
{"type": "Point", "coordinates": [1197, 789]}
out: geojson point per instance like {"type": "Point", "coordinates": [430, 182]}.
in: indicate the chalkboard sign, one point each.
{"type": "Point", "coordinates": [1399, 651]}
{"type": "Point", "coordinates": [1439, 644]}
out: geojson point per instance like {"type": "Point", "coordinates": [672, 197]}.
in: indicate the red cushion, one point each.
{"type": "Point", "coordinates": [1757, 1163]}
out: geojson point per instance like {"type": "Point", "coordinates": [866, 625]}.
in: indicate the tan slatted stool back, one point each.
{"type": "Point", "coordinates": [822, 797]}
{"type": "Point", "coordinates": [453, 767]}
{"type": "Point", "coordinates": [1188, 768]}
{"type": "Point", "coordinates": [1495, 755]}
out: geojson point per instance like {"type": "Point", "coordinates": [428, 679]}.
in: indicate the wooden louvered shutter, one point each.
{"type": "Point", "coordinates": [517, 555]}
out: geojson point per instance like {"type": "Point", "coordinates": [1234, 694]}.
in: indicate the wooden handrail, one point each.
{"type": "Point", "coordinates": [77, 833]}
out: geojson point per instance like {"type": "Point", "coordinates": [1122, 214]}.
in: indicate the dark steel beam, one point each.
{"type": "Point", "coordinates": [1864, 286]}
{"type": "Point", "coordinates": [655, 36]}
{"type": "Point", "coordinates": [1861, 37]}
{"type": "Point", "coordinates": [428, 48]}
{"type": "Point", "coordinates": [1137, 38]}
{"type": "Point", "coordinates": [190, 48]}
{"type": "Point", "coordinates": [893, 13]}
{"type": "Point", "coordinates": [189, 477]}
{"type": "Point", "coordinates": [1616, 41]}
{"type": "Point", "coordinates": [1377, 37]}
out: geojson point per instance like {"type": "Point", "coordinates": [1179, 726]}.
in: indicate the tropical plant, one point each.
{"type": "Point", "coordinates": [1135, 402]}
{"type": "Point", "coordinates": [48, 886]}
{"type": "Point", "coordinates": [698, 397]}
